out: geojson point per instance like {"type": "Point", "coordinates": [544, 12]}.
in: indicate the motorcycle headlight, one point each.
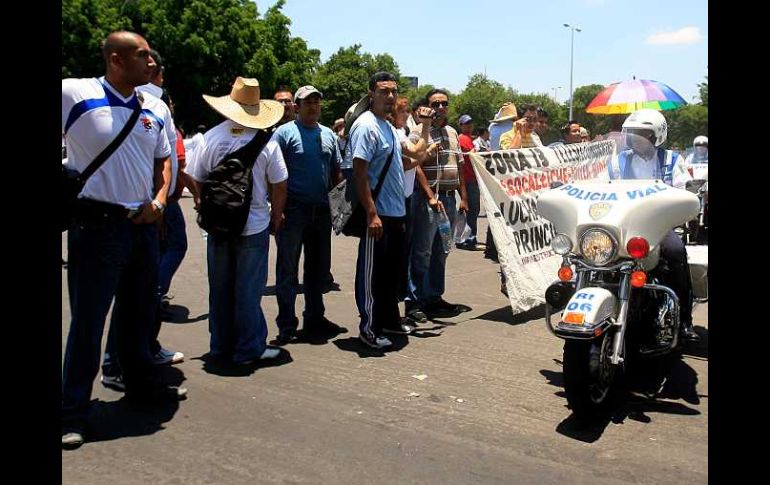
{"type": "Point", "coordinates": [561, 244]}
{"type": "Point", "coordinates": [598, 247]}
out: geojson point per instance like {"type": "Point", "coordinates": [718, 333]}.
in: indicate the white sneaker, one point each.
{"type": "Point", "coordinates": [71, 440]}
{"type": "Point", "coordinates": [165, 356]}
{"type": "Point", "coordinates": [269, 353]}
{"type": "Point", "coordinates": [377, 342]}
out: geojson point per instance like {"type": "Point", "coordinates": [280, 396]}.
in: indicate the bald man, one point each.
{"type": "Point", "coordinates": [113, 240]}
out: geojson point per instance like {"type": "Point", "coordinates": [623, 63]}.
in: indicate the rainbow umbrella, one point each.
{"type": "Point", "coordinates": [629, 96]}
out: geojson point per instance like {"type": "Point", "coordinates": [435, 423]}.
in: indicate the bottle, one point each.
{"type": "Point", "coordinates": [445, 229]}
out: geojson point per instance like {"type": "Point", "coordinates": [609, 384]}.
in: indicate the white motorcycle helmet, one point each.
{"type": "Point", "coordinates": [701, 141]}
{"type": "Point", "coordinates": [648, 120]}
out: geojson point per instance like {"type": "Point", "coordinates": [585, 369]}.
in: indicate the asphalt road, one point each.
{"type": "Point", "coordinates": [488, 406]}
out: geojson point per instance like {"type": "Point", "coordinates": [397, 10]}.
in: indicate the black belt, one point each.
{"type": "Point", "coordinates": [90, 207]}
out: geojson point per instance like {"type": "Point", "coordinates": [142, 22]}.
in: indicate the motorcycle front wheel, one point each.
{"type": "Point", "coordinates": [588, 375]}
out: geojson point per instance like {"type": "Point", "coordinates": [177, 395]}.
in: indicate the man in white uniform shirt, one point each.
{"type": "Point", "coordinates": [113, 241]}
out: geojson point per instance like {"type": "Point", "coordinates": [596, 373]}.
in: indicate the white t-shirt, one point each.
{"type": "Point", "coordinates": [150, 89]}
{"type": "Point", "coordinates": [92, 115]}
{"type": "Point", "coordinates": [481, 144]}
{"type": "Point", "coordinates": [227, 137]}
{"type": "Point", "coordinates": [409, 175]}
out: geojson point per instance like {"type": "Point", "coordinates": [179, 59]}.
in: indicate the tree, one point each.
{"type": "Point", "coordinates": [685, 123]}
{"type": "Point", "coordinates": [344, 79]}
{"type": "Point", "coordinates": [581, 98]}
{"type": "Point", "coordinates": [205, 45]}
{"type": "Point", "coordinates": [480, 99]}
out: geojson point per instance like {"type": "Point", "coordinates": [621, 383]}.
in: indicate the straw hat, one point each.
{"type": "Point", "coordinates": [354, 112]}
{"type": "Point", "coordinates": [244, 107]}
{"type": "Point", "coordinates": [505, 113]}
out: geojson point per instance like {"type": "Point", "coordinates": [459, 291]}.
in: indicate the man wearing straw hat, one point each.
{"type": "Point", "coordinates": [113, 242]}
{"type": "Point", "coordinates": [238, 267]}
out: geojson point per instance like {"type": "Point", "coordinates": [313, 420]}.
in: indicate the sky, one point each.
{"type": "Point", "coordinates": [520, 44]}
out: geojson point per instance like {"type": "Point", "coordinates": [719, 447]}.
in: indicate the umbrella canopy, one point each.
{"type": "Point", "coordinates": [629, 96]}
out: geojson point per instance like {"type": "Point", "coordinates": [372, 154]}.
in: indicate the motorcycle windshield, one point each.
{"type": "Point", "coordinates": [624, 208]}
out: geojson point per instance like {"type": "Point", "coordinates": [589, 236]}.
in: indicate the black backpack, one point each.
{"type": "Point", "coordinates": [226, 194]}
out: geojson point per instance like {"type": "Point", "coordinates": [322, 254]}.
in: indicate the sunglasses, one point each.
{"type": "Point", "coordinates": [437, 104]}
{"type": "Point", "coordinates": [285, 101]}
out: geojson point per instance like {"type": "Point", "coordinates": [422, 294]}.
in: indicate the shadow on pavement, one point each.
{"type": "Point", "coordinates": [180, 314]}
{"type": "Point", "coordinates": [224, 367]}
{"type": "Point", "coordinates": [505, 315]}
{"type": "Point", "coordinates": [638, 393]}
{"type": "Point", "coordinates": [112, 420]}
{"type": "Point", "coordinates": [354, 344]}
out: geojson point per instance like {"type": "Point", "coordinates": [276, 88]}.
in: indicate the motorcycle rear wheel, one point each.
{"type": "Point", "coordinates": [588, 375]}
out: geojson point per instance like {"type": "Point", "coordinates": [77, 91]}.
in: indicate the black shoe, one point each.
{"type": "Point", "coordinates": [285, 337]}
{"type": "Point", "coordinates": [442, 308]}
{"type": "Point", "coordinates": [689, 334]}
{"type": "Point", "coordinates": [323, 325]}
{"type": "Point", "coordinates": [157, 395]}
{"type": "Point", "coordinates": [403, 328]}
{"type": "Point", "coordinates": [417, 315]}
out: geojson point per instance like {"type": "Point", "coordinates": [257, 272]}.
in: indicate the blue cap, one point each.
{"type": "Point", "coordinates": [465, 119]}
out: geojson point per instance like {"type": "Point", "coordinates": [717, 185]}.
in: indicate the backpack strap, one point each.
{"type": "Point", "coordinates": [249, 152]}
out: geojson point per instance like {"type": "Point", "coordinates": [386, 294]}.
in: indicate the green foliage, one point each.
{"type": "Point", "coordinates": [480, 99]}
{"type": "Point", "coordinates": [344, 79]}
{"type": "Point", "coordinates": [685, 123]}
{"type": "Point", "coordinates": [205, 45]}
{"type": "Point", "coordinates": [595, 124]}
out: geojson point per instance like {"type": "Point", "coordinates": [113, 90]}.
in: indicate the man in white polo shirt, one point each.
{"type": "Point", "coordinates": [113, 241]}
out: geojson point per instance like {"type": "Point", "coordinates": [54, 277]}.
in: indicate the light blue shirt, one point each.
{"type": "Point", "coordinates": [310, 155]}
{"type": "Point", "coordinates": [372, 139]}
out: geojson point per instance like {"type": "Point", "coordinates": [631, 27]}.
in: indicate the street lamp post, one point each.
{"type": "Point", "coordinates": [571, 55]}
{"type": "Point", "coordinates": [555, 93]}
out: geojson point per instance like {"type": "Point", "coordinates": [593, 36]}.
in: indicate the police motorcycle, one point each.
{"type": "Point", "coordinates": [612, 303]}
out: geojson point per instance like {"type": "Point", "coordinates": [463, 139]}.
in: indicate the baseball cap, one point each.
{"type": "Point", "coordinates": [465, 119]}
{"type": "Point", "coordinates": [306, 91]}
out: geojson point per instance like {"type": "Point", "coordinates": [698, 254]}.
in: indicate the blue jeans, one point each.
{"type": "Point", "coordinates": [307, 226]}
{"type": "Point", "coordinates": [109, 257]}
{"type": "Point", "coordinates": [173, 248]}
{"type": "Point", "coordinates": [237, 279]}
{"type": "Point", "coordinates": [172, 251]}
{"type": "Point", "coordinates": [427, 262]}
{"type": "Point", "coordinates": [474, 207]}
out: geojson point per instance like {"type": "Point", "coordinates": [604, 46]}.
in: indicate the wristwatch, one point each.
{"type": "Point", "coordinates": [158, 205]}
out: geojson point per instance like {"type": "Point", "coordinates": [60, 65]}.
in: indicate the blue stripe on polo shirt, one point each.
{"type": "Point", "coordinates": [154, 117]}
{"type": "Point", "coordinates": [110, 99]}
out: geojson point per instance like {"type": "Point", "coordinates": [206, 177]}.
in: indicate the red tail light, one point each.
{"type": "Point", "coordinates": [638, 247]}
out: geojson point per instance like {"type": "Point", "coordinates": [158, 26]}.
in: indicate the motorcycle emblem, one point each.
{"type": "Point", "coordinates": [599, 210]}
